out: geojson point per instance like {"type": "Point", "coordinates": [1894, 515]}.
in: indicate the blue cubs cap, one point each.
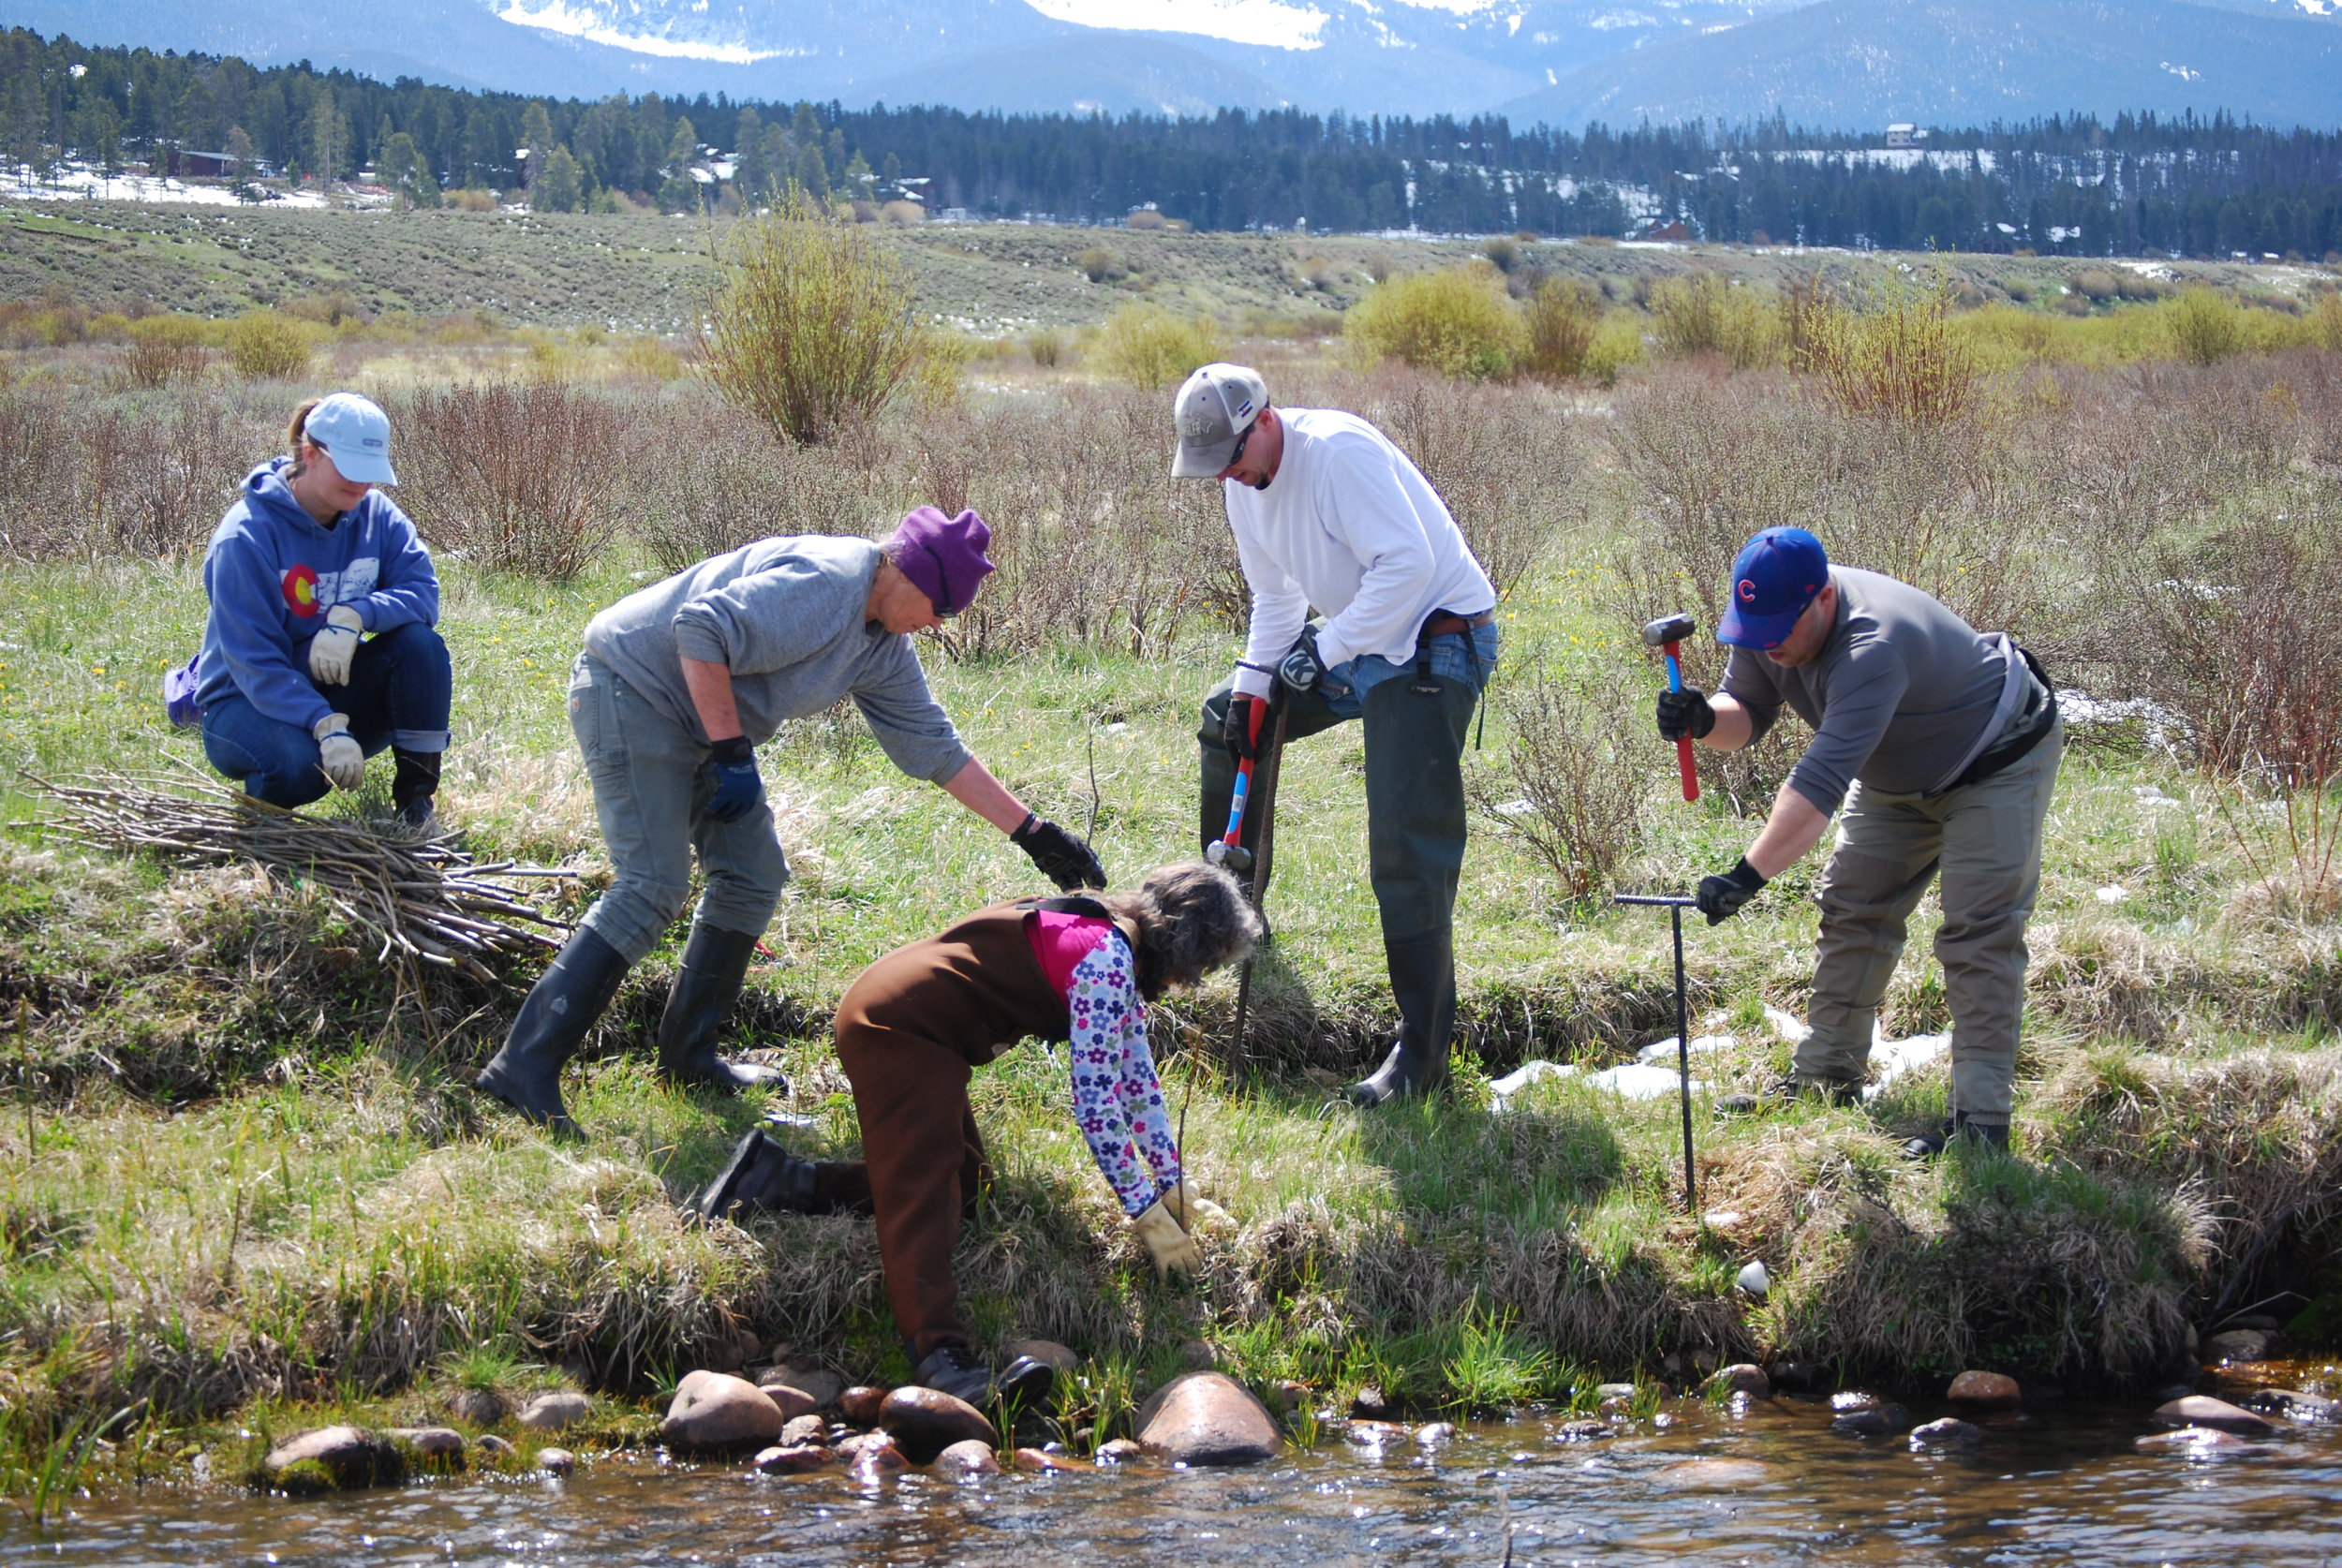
{"type": "Point", "coordinates": [1777, 574]}
{"type": "Point", "coordinates": [356, 435]}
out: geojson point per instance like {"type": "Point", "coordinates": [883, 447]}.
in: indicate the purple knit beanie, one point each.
{"type": "Point", "coordinates": [943, 556]}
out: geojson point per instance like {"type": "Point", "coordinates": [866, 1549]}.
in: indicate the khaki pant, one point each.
{"type": "Point", "coordinates": [1985, 840]}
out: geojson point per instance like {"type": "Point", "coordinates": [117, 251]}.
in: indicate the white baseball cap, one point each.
{"type": "Point", "coordinates": [1216, 407]}
{"type": "Point", "coordinates": [356, 435]}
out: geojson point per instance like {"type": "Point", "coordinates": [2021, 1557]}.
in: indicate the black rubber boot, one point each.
{"type": "Point", "coordinates": [715, 962]}
{"type": "Point", "coordinates": [566, 999]}
{"type": "Point", "coordinates": [762, 1175]}
{"type": "Point", "coordinates": [1423, 982]}
{"type": "Point", "coordinates": [414, 785]}
{"type": "Point", "coordinates": [1927, 1146]}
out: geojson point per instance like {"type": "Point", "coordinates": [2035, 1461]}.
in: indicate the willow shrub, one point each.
{"type": "Point", "coordinates": [809, 325]}
{"type": "Point", "coordinates": [1147, 347]}
{"type": "Point", "coordinates": [1706, 313]}
{"type": "Point", "coordinates": [1896, 354]}
{"type": "Point", "coordinates": [1457, 321]}
{"type": "Point", "coordinates": [1563, 318]}
{"type": "Point", "coordinates": [265, 346]}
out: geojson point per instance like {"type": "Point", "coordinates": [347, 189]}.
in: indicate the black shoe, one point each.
{"type": "Point", "coordinates": [960, 1371]}
{"type": "Point", "coordinates": [762, 1175]}
{"type": "Point", "coordinates": [1785, 1086]}
{"type": "Point", "coordinates": [566, 1001]}
{"type": "Point", "coordinates": [714, 963]}
{"type": "Point", "coordinates": [1927, 1146]}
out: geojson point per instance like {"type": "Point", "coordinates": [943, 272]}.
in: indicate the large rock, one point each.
{"type": "Point", "coordinates": [2202, 1410]}
{"type": "Point", "coordinates": [1206, 1418]}
{"type": "Point", "coordinates": [860, 1405]}
{"type": "Point", "coordinates": [1874, 1421]}
{"type": "Point", "coordinates": [2237, 1344]}
{"type": "Point", "coordinates": [925, 1421]}
{"type": "Point", "coordinates": [478, 1407]}
{"type": "Point", "coordinates": [1058, 1358]}
{"type": "Point", "coordinates": [431, 1443]}
{"type": "Point", "coordinates": [794, 1401]}
{"type": "Point", "coordinates": [1985, 1391]}
{"type": "Point", "coordinates": [552, 1412]}
{"type": "Point", "coordinates": [969, 1456]}
{"type": "Point", "coordinates": [2194, 1442]}
{"type": "Point", "coordinates": [1951, 1433]}
{"type": "Point", "coordinates": [334, 1458]}
{"type": "Point", "coordinates": [716, 1410]}
{"type": "Point", "coordinates": [1742, 1378]}
{"type": "Point", "coordinates": [2293, 1404]}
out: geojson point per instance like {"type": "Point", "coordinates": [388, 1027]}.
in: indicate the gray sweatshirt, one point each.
{"type": "Point", "coordinates": [785, 615]}
{"type": "Point", "coordinates": [1897, 697]}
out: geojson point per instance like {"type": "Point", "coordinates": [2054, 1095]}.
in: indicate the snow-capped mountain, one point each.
{"type": "Point", "coordinates": [1561, 60]}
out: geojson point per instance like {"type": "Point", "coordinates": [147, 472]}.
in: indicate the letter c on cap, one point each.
{"type": "Point", "coordinates": [1747, 590]}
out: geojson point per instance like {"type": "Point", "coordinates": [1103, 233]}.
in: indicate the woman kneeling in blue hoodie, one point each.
{"type": "Point", "coordinates": [319, 650]}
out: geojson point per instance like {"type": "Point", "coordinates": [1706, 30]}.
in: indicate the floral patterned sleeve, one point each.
{"type": "Point", "coordinates": [1117, 1099]}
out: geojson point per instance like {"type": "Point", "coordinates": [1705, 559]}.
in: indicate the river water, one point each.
{"type": "Point", "coordinates": [1762, 1484]}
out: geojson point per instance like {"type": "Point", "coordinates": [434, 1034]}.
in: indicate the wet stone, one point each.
{"type": "Point", "coordinates": [971, 1456]}
{"type": "Point", "coordinates": [792, 1458]}
{"type": "Point", "coordinates": [2193, 1442]}
{"type": "Point", "coordinates": [491, 1443]}
{"type": "Point", "coordinates": [2237, 1344]}
{"type": "Point", "coordinates": [925, 1421]}
{"type": "Point", "coordinates": [476, 1407]}
{"type": "Point", "coordinates": [1614, 1390]}
{"type": "Point", "coordinates": [803, 1430]}
{"type": "Point", "coordinates": [1373, 1434]}
{"type": "Point", "coordinates": [1206, 1418]}
{"type": "Point", "coordinates": [554, 1462]}
{"type": "Point", "coordinates": [792, 1400]}
{"type": "Point", "coordinates": [1371, 1405]}
{"type": "Point", "coordinates": [818, 1385]}
{"type": "Point", "coordinates": [860, 1405]}
{"type": "Point", "coordinates": [1719, 1473]}
{"type": "Point", "coordinates": [878, 1458]}
{"type": "Point", "coordinates": [1742, 1378]}
{"type": "Point", "coordinates": [1985, 1391]}
{"type": "Point", "coordinates": [331, 1458]}
{"type": "Point", "coordinates": [432, 1443]}
{"type": "Point", "coordinates": [1121, 1451]}
{"type": "Point", "coordinates": [1878, 1421]}
{"type": "Point", "coordinates": [1058, 1358]}
{"type": "Point", "coordinates": [2202, 1410]}
{"type": "Point", "coordinates": [1951, 1433]}
{"type": "Point", "coordinates": [2294, 1404]}
{"type": "Point", "coordinates": [1044, 1462]}
{"type": "Point", "coordinates": [1431, 1434]}
{"type": "Point", "coordinates": [716, 1410]}
{"type": "Point", "coordinates": [1585, 1430]}
{"type": "Point", "coordinates": [552, 1412]}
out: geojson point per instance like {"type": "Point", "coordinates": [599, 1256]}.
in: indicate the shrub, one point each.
{"type": "Point", "coordinates": [808, 323]}
{"type": "Point", "coordinates": [1046, 346]}
{"type": "Point", "coordinates": [1456, 321]}
{"type": "Point", "coordinates": [472, 200]}
{"type": "Point", "coordinates": [265, 346]}
{"type": "Point", "coordinates": [1706, 313]}
{"type": "Point", "coordinates": [1582, 763]}
{"type": "Point", "coordinates": [2325, 323]}
{"type": "Point", "coordinates": [1505, 462]}
{"type": "Point", "coordinates": [1149, 347]}
{"type": "Point", "coordinates": [2097, 284]}
{"type": "Point", "coordinates": [1617, 344]}
{"type": "Point", "coordinates": [1564, 316]}
{"type": "Point", "coordinates": [524, 478]}
{"type": "Point", "coordinates": [902, 214]}
{"type": "Point", "coordinates": [1896, 355]}
{"type": "Point", "coordinates": [2205, 326]}
{"type": "Point", "coordinates": [1100, 265]}
{"type": "Point", "coordinates": [163, 349]}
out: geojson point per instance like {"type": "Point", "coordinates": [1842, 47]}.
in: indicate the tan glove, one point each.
{"type": "Point", "coordinates": [338, 756]}
{"type": "Point", "coordinates": [1173, 1249]}
{"type": "Point", "coordinates": [331, 650]}
{"type": "Point", "coordinates": [1192, 1209]}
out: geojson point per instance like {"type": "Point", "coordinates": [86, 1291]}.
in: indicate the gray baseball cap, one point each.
{"type": "Point", "coordinates": [356, 435]}
{"type": "Point", "coordinates": [1217, 405]}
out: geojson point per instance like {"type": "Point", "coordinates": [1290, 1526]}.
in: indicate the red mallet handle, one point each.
{"type": "Point", "coordinates": [1683, 762]}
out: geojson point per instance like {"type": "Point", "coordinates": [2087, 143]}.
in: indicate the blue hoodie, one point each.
{"type": "Point", "coordinates": [272, 573]}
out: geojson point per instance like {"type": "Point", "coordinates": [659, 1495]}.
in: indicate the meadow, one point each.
{"type": "Point", "coordinates": [246, 1181]}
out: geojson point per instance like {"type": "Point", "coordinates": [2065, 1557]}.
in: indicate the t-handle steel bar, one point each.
{"type": "Point", "coordinates": [1675, 906]}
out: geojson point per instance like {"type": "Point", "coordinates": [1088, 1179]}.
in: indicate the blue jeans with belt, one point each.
{"type": "Point", "coordinates": [649, 792]}
{"type": "Point", "coordinates": [400, 692]}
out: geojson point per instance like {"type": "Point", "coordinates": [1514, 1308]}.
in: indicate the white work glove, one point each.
{"type": "Point", "coordinates": [331, 650]}
{"type": "Point", "coordinates": [337, 751]}
{"type": "Point", "coordinates": [1192, 1209]}
{"type": "Point", "coordinates": [1173, 1249]}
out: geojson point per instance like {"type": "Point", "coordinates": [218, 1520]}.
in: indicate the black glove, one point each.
{"type": "Point", "coordinates": [1685, 713]}
{"type": "Point", "coordinates": [1236, 729]}
{"type": "Point", "coordinates": [735, 784]}
{"type": "Point", "coordinates": [1301, 669]}
{"type": "Point", "coordinates": [1062, 858]}
{"type": "Point", "coordinates": [1720, 897]}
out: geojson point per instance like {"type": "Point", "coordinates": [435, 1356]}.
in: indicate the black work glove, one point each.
{"type": "Point", "coordinates": [736, 785]}
{"type": "Point", "coordinates": [1685, 713]}
{"type": "Point", "coordinates": [1062, 858]}
{"type": "Point", "coordinates": [1301, 669]}
{"type": "Point", "coordinates": [1235, 728]}
{"type": "Point", "coordinates": [1720, 897]}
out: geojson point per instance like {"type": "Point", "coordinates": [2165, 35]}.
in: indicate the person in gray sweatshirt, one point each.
{"type": "Point", "coordinates": [678, 685]}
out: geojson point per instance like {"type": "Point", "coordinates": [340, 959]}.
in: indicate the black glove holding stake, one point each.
{"type": "Point", "coordinates": [1062, 858]}
{"type": "Point", "coordinates": [1302, 669]}
{"type": "Point", "coordinates": [1685, 713]}
{"type": "Point", "coordinates": [1720, 897]}
{"type": "Point", "coordinates": [1235, 728]}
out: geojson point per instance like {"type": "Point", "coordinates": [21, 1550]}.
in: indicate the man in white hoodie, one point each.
{"type": "Point", "coordinates": [1329, 513]}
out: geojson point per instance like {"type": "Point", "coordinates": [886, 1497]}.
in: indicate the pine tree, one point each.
{"type": "Point", "coordinates": [559, 188]}
{"type": "Point", "coordinates": [536, 136]}
{"type": "Point", "coordinates": [680, 193]}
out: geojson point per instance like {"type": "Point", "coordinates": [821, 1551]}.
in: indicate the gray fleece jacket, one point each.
{"type": "Point", "coordinates": [785, 615]}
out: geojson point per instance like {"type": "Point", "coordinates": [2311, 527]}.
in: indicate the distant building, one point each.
{"type": "Point", "coordinates": [1905, 134]}
{"type": "Point", "coordinates": [203, 166]}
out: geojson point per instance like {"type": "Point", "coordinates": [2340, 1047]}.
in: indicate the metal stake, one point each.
{"type": "Point", "coordinates": [1675, 907]}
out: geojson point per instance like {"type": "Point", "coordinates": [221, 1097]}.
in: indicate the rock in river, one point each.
{"type": "Point", "coordinates": [969, 1456]}
{"type": "Point", "coordinates": [925, 1421]}
{"type": "Point", "coordinates": [1206, 1418]}
{"type": "Point", "coordinates": [1951, 1433]}
{"type": "Point", "coordinates": [2294, 1404]}
{"type": "Point", "coordinates": [2202, 1410]}
{"type": "Point", "coordinates": [333, 1458]}
{"type": "Point", "coordinates": [555, 1461]}
{"type": "Point", "coordinates": [716, 1410]}
{"type": "Point", "coordinates": [794, 1401]}
{"type": "Point", "coordinates": [794, 1458]}
{"type": "Point", "coordinates": [1742, 1378]}
{"type": "Point", "coordinates": [1119, 1450]}
{"type": "Point", "coordinates": [1985, 1391]}
{"type": "Point", "coordinates": [1875, 1421]}
{"type": "Point", "coordinates": [1715, 1472]}
{"type": "Point", "coordinates": [860, 1405]}
{"type": "Point", "coordinates": [552, 1412]}
{"type": "Point", "coordinates": [804, 1429]}
{"type": "Point", "coordinates": [2193, 1442]}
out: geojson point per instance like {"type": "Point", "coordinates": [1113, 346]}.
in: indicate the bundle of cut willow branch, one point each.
{"type": "Point", "coordinates": [423, 903]}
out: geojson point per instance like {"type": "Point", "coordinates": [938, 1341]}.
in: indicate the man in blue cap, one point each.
{"type": "Point", "coordinates": [1942, 745]}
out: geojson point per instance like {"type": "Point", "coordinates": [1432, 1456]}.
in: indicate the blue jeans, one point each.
{"type": "Point", "coordinates": [400, 690]}
{"type": "Point", "coordinates": [648, 792]}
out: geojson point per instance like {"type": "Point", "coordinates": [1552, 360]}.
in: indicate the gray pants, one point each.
{"type": "Point", "coordinates": [1985, 841]}
{"type": "Point", "coordinates": [647, 794]}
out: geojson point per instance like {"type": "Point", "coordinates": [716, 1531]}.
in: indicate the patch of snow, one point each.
{"type": "Point", "coordinates": [1702, 1045]}
{"type": "Point", "coordinates": [76, 182]}
{"type": "Point", "coordinates": [1637, 1080]}
{"type": "Point", "coordinates": [2110, 893]}
{"type": "Point", "coordinates": [1265, 23]}
{"type": "Point", "coordinates": [1891, 1058]}
{"type": "Point", "coordinates": [577, 22]}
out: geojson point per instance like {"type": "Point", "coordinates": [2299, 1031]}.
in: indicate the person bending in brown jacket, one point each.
{"type": "Point", "coordinates": [916, 1025]}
